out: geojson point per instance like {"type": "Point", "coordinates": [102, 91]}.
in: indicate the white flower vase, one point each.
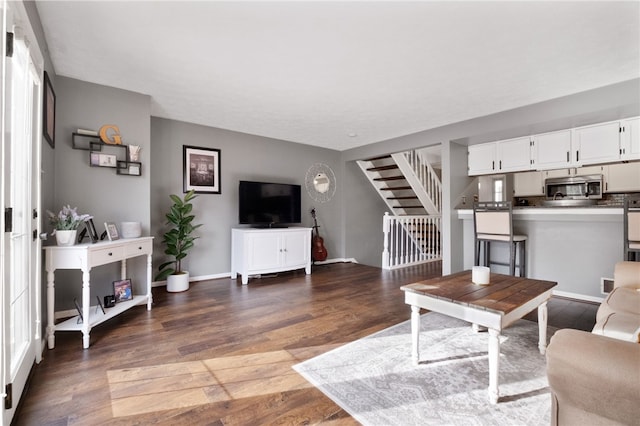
{"type": "Point", "coordinates": [178, 282]}
{"type": "Point", "coordinates": [66, 237]}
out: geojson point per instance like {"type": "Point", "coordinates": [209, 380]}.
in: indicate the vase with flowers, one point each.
{"type": "Point", "coordinates": [66, 223]}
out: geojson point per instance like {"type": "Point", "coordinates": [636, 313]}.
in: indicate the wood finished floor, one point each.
{"type": "Point", "coordinates": [221, 353]}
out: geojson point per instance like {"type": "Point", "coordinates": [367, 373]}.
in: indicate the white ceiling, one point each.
{"type": "Point", "coordinates": [319, 73]}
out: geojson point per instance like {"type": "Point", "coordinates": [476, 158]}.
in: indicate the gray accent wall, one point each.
{"type": "Point", "coordinates": [99, 191]}
{"type": "Point", "coordinates": [243, 157]}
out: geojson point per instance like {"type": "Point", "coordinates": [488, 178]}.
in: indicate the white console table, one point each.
{"type": "Point", "coordinates": [264, 251]}
{"type": "Point", "coordinates": [85, 257]}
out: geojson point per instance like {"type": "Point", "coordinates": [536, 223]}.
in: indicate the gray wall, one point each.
{"type": "Point", "coordinates": [363, 212]}
{"type": "Point", "coordinates": [243, 157]}
{"type": "Point", "coordinates": [99, 191]}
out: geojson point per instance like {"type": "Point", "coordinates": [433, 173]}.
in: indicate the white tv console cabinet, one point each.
{"type": "Point", "coordinates": [264, 251]}
{"type": "Point", "coordinates": [85, 257]}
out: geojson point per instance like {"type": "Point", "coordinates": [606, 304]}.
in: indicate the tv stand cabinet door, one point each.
{"type": "Point", "coordinates": [296, 248]}
{"type": "Point", "coordinates": [265, 251]}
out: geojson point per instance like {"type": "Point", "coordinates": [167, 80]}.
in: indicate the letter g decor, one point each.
{"type": "Point", "coordinates": [110, 134]}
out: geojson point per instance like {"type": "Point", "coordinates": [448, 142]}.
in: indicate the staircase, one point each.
{"type": "Point", "coordinates": [412, 190]}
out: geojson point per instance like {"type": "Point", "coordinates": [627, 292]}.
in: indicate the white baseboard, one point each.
{"type": "Point", "coordinates": [228, 274]}
{"type": "Point", "coordinates": [337, 260]}
{"type": "Point", "coordinates": [578, 296]}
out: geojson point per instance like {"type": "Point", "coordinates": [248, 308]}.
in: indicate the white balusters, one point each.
{"type": "Point", "coordinates": [409, 240]}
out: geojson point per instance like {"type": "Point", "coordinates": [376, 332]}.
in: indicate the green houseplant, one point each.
{"type": "Point", "coordinates": [179, 239]}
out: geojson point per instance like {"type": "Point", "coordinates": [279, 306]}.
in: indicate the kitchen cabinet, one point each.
{"type": "Point", "coordinates": [514, 155]}
{"type": "Point", "coordinates": [595, 144]}
{"type": "Point", "coordinates": [552, 150]}
{"type": "Point", "coordinates": [575, 171]}
{"type": "Point", "coordinates": [263, 251]}
{"type": "Point", "coordinates": [499, 157]}
{"type": "Point", "coordinates": [527, 184]}
{"type": "Point", "coordinates": [630, 139]}
{"type": "Point", "coordinates": [624, 177]}
{"type": "Point", "coordinates": [482, 159]}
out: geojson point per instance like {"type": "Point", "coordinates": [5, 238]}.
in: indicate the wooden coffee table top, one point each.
{"type": "Point", "coordinates": [504, 294]}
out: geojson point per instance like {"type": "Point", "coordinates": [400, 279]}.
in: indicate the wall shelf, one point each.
{"type": "Point", "coordinates": [115, 156]}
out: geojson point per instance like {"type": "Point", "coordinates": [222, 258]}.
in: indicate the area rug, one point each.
{"type": "Point", "coordinates": [376, 382]}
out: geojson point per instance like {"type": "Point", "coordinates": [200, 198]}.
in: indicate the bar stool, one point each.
{"type": "Point", "coordinates": [493, 222]}
{"type": "Point", "coordinates": [632, 228]}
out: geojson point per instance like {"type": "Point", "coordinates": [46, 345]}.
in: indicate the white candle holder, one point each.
{"type": "Point", "coordinates": [480, 275]}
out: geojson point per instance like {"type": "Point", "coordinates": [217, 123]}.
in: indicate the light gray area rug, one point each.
{"type": "Point", "coordinates": [375, 381]}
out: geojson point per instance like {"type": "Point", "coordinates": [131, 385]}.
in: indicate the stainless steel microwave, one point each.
{"type": "Point", "coordinates": [588, 187]}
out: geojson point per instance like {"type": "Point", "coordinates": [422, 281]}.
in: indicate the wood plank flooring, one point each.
{"type": "Point", "coordinates": [221, 353]}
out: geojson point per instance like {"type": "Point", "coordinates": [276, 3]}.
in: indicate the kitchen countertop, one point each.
{"type": "Point", "coordinates": [596, 213]}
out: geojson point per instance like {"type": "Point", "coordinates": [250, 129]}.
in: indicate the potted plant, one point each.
{"type": "Point", "coordinates": [66, 223]}
{"type": "Point", "coordinates": [179, 240]}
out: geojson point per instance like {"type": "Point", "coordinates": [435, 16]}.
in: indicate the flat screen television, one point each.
{"type": "Point", "coordinates": [265, 204]}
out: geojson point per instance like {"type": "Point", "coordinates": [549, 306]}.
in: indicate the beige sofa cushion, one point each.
{"type": "Point", "coordinates": [619, 326]}
{"type": "Point", "coordinates": [622, 300]}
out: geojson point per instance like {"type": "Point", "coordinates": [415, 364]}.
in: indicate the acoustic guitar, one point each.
{"type": "Point", "coordinates": [318, 252]}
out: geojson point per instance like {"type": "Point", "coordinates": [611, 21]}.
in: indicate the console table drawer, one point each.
{"type": "Point", "coordinates": [138, 249]}
{"type": "Point", "coordinates": [106, 255]}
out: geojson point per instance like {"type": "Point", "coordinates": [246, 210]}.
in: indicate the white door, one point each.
{"type": "Point", "coordinates": [296, 248]}
{"type": "Point", "coordinates": [21, 136]}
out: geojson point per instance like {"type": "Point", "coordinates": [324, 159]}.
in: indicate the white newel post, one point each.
{"type": "Point", "coordinates": [385, 232]}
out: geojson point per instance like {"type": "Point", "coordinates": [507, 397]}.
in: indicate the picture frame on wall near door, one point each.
{"type": "Point", "coordinates": [49, 112]}
{"type": "Point", "coordinates": [201, 170]}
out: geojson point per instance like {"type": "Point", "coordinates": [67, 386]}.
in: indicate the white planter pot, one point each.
{"type": "Point", "coordinates": [177, 283]}
{"type": "Point", "coordinates": [66, 238]}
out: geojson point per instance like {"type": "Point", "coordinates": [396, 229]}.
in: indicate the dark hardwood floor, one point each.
{"type": "Point", "coordinates": [221, 353]}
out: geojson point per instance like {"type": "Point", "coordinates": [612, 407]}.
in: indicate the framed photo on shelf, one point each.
{"type": "Point", "coordinates": [112, 231]}
{"type": "Point", "coordinates": [49, 112]}
{"type": "Point", "coordinates": [122, 290]}
{"type": "Point", "coordinates": [201, 170]}
{"type": "Point", "coordinates": [98, 159]}
{"type": "Point", "coordinates": [79, 309]}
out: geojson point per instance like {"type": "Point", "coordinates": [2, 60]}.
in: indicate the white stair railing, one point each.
{"type": "Point", "coordinates": [410, 240]}
{"type": "Point", "coordinates": [422, 178]}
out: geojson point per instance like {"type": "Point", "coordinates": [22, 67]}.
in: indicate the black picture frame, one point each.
{"type": "Point", "coordinates": [79, 309]}
{"type": "Point", "coordinates": [122, 290]}
{"type": "Point", "coordinates": [49, 112]}
{"type": "Point", "coordinates": [201, 170]}
{"type": "Point", "coordinates": [91, 230]}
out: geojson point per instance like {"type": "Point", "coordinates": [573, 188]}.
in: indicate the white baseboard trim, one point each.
{"type": "Point", "coordinates": [228, 274]}
{"type": "Point", "coordinates": [337, 260]}
{"type": "Point", "coordinates": [578, 296]}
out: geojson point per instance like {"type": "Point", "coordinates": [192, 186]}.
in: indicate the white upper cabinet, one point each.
{"type": "Point", "coordinates": [482, 159]}
{"type": "Point", "coordinates": [588, 145]}
{"type": "Point", "coordinates": [552, 150]}
{"type": "Point", "coordinates": [498, 157]}
{"type": "Point", "coordinates": [514, 155]}
{"type": "Point", "coordinates": [595, 144]}
{"type": "Point", "coordinates": [630, 139]}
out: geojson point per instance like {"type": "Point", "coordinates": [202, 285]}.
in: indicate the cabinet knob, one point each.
{"type": "Point", "coordinates": [139, 248]}
{"type": "Point", "coordinates": [110, 254]}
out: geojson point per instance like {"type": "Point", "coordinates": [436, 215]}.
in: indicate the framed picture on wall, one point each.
{"type": "Point", "coordinates": [201, 170]}
{"type": "Point", "coordinates": [49, 112]}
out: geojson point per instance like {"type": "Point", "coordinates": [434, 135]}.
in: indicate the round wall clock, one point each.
{"type": "Point", "coordinates": [320, 182]}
